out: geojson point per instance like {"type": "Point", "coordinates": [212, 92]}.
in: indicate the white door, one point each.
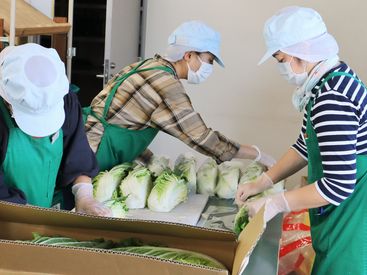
{"type": "Point", "coordinates": [122, 35]}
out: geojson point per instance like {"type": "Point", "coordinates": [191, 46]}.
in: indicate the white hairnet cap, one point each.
{"type": "Point", "coordinates": [193, 36]}
{"type": "Point", "coordinates": [299, 32]}
{"type": "Point", "coordinates": [33, 82]}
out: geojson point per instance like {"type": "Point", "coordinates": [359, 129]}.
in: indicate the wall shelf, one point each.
{"type": "Point", "coordinates": [29, 21]}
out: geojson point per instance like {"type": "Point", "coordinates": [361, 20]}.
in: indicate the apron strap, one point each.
{"type": "Point", "coordinates": [6, 115]}
{"type": "Point", "coordinates": [121, 79]}
{"type": "Point", "coordinates": [333, 74]}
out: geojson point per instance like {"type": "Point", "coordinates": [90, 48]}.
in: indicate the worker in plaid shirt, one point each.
{"type": "Point", "coordinates": [148, 96]}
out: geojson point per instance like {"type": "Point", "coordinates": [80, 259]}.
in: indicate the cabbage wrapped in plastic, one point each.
{"type": "Point", "coordinates": [136, 187]}
{"type": "Point", "coordinates": [207, 177]}
{"type": "Point", "coordinates": [228, 175]}
{"type": "Point", "coordinates": [276, 188]}
{"type": "Point", "coordinates": [251, 172]}
{"type": "Point", "coordinates": [157, 165]}
{"type": "Point", "coordinates": [169, 190]}
{"type": "Point", "coordinates": [106, 183]}
{"type": "Point", "coordinates": [185, 167]}
{"type": "Point", "coordinates": [118, 207]}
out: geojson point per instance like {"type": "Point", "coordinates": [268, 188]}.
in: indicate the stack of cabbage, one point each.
{"type": "Point", "coordinates": [132, 186]}
{"type": "Point", "coordinates": [222, 180]}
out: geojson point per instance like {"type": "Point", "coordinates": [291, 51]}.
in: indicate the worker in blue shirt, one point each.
{"type": "Point", "coordinates": [43, 146]}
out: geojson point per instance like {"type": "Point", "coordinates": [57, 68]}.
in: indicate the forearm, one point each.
{"type": "Point", "coordinates": [190, 127]}
{"type": "Point", "coordinates": [305, 198]}
{"type": "Point", "coordinates": [288, 164]}
{"type": "Point", "coordinates": [207, 142]}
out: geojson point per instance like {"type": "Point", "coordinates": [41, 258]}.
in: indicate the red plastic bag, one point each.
{"type": "Point", "coordinates": [296, 254]}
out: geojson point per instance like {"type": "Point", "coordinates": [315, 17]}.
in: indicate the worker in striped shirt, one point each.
{"type": "Point", "coordinates": [333, 143]}
{"type": "Point", "coordinates": [148, 96]}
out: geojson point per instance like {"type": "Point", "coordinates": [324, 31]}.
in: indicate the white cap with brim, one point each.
{"type": "Point", "coordinates": [194, 36]}
{"type": "Point", "coordinates": [33, 82]}
{"type": "Point", "coordinates": [293, 25]}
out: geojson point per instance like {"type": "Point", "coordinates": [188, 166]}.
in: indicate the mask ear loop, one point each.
{"type": "Point", "coordinates": [201, 61]}
{"type": "Point", "coordinates": [304, 67]}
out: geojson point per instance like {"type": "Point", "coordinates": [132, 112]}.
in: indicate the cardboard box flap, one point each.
{"type": "Point", "coordinates": [43, 216]}
{"type": "Point", "coordinates": [247, 241]}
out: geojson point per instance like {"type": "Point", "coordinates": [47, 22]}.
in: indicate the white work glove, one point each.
{"type": "Point", "coordinates": [245, 190]}
{"type": "Point", "coordinates": [263, 158]}
{"type": "Point", "coordinates": [274, 205]}
{"type": "Point", "coordinates": [85, 203]}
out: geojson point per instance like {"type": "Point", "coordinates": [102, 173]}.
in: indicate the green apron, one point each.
{"type": "Point", "coordinates": [119, 144]}
{"type": "Point", "coordinates": [31, 164]}
{"type": "Point", "coordinates": [339, 233]}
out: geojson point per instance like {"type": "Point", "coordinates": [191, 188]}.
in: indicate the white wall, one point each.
{"type": "Point", "coordinates": [250, 103]}
{"type": "Point", "coordinates": [44, 6]}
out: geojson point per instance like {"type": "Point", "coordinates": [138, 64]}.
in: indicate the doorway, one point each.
{"type": "Point", "coordinates": [89, 40]}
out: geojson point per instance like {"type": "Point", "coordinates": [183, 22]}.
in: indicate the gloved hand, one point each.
{"type": "Point", "coordinates": [252, 188]}
{"type": "Point", "coordinates": [85, 203]}
{"type": "Point", "coordinates": [263, 158]}
{"type": "Point", "coordinates": [274, 205]}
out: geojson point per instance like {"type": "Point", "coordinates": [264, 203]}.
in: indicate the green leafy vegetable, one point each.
{"type": "Point", "coordinates": [157, 165]}
{"type": "Point", "coordinates": [207, 177]}
{"type": "Point", "coordinates": [136, 187]}
{"type": "Point", "coordinates": [185, 167]}
{"type": "Point", "coordinates": [177, 255]}
{"type": "Point", "coordinates": [241, 220]}
{"type": "Point", "coordinates": [251, 172]}
{"type": "Point", "coordinates": [169, 190]}
{"type": "Point", "coordinates": [118, 207]}
{"type": "Point", "coordinates": [65, 241]}
{"type": "Point", "coordinates": [105, 183]}
{"type": "Point", "coordinates": [228, 175]}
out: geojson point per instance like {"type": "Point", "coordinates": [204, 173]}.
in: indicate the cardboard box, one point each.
{"type": "Point", "coordinates": [17, 222]}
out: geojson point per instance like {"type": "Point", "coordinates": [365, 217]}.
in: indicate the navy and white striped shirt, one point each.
{"type": "Point", "coordinates": [339, 120]}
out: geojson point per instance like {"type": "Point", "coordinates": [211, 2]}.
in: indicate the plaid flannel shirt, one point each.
{"type": "Point", "coordinates": [157, 99]}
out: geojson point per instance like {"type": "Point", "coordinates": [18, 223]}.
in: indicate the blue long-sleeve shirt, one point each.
{"type": "Point", "coordinates": [339, 119]}
{"type": "Point", "coordinates": [78, 158]}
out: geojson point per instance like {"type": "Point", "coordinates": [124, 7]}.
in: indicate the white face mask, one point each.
{"type": "Point", "coordinates": [201, 74]}
{"type": "Point", "coordinates": [302, 94]}
{"type": "Point", "coordinates": [293, 78]}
